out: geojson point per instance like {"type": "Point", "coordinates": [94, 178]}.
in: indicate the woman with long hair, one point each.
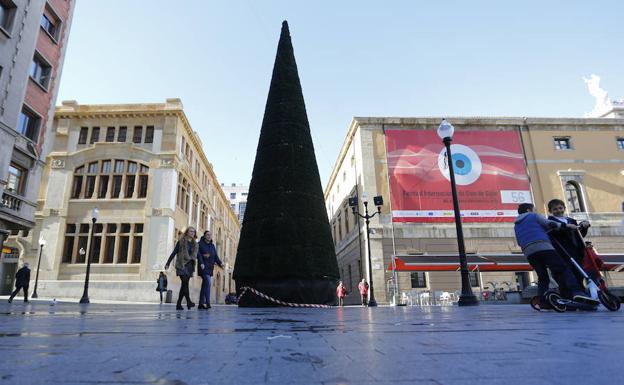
{"type": "Point", "coordinates": [186, 252]}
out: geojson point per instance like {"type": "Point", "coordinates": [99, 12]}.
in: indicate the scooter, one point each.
{"type": "Point", "coordinates": [560, 304]}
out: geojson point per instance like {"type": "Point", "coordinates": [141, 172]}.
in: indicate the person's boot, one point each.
{"type": "Point", "coordinates": [179, 306]}
{"type": "Point", "coordinates": [190, 305]}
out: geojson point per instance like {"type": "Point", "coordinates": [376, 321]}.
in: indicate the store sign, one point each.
{"type": "Point", "coordinates": [490, 174]}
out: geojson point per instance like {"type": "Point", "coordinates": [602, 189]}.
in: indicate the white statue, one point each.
{"type": "Point", "coordinates": [603, 103]}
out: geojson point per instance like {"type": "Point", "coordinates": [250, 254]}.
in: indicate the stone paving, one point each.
{"type": "Point", "coordinates": [151, 344]}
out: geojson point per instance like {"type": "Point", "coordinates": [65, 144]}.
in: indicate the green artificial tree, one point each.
{"type": "Point", "coordinates": [286, 249]}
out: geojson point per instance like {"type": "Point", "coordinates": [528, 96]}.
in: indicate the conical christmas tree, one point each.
{"type": "Point", "coordinates": [286, 249]}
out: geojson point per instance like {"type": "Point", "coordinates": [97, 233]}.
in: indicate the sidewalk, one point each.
{"type": "Point", "coordinates": [152, 344]}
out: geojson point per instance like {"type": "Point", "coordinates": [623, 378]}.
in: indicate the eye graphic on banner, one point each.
{"type": "Point", "coordinates": [466, 164]}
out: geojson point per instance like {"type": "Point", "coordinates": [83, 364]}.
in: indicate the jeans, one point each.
{"type": "Point", "coordinates": [364, 299]}
{"type": "Point", "coordinates": [204, 292]}
{"type": "Point", "coordinates": [541, 260]}
{"type": "Point", "coordinates": [17, 289]}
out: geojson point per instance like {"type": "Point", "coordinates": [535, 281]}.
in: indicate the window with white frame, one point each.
{"type": "Point", "coordinates": [16, 179]}
{"type": "Point", "coordinates": [51, 23]}
{"type": "Point", "coordinates": [562, 143]}
{"type": "Point", "coordinates": [110, 179]}
{"type": "Point", "coordinates": [40, 70]}
{"type": "Point", "coordinates": [7, 14]}
{"type": "Point", "coordinates": [29, 123]}
{"type": "Point", "coordinates": [113, 243]}
{"type": "Point", "coordinates": [574, 197]}
{"type": "Point", "coordinates": [419, 279]}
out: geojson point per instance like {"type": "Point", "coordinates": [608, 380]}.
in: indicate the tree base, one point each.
{"type": "Point", "coordinates": [293, 290]}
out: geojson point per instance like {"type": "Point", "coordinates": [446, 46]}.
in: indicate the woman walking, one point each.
{"type": "Point", "coordinates": [161, 284]}
{"type": "Point", "coordinates": [341, 292]}
{"type": "Point", "coordinates": [186, 252]}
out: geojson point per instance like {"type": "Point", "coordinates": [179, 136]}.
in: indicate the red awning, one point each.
{"type": "Point", "coordinates": [482, 262]}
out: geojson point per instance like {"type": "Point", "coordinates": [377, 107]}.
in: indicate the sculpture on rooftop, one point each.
{"type": "Point", "coordinates": [603, 103]}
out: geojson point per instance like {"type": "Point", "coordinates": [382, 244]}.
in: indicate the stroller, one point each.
{"type": "Point", "coordinates": [593, 283]}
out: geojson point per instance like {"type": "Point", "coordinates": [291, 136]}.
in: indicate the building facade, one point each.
{"type": "Point", "coordinates": [143, 167]}
{"type": "Point", "coordinates": [580, 161]}
{"type": "Point", "coordinates": [237, 195]}
{"type": "Point", "coordinates": [33, 38]}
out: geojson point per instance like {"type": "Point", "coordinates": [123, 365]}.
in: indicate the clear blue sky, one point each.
{"type": "Point", "coordinates": [355, 58]}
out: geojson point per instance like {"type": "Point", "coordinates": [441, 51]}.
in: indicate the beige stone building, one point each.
{"type": "Point", "coordinates": [143, 167]}
{"type": "Point", "coordinates": [578, 160]}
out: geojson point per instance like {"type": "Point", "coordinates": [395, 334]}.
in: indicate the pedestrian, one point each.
{"type": "Point", "coordinates": [207, 258]}
{"type": "Point", "coordinates": [22, 279]}
{"type": "Point", "coordinates": [341, 292]}
{"type": "Point", "coordinates": [531, 234]}
{"type": "Point", "coordinates": [185, 252]}
{"type": "Point", "coordinates": [363, 288]}
{"type": "Point", "coordinates": [567, 242]}
{"type": "Point", "coordinates": [161, 284]}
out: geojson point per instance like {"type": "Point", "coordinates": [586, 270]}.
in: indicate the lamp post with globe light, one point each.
{"type": "Point", "coordinates": [467, 297]}
{"type": "Point", "coordinates": [353, 203]}
{"type": "Point", "coordinates": [85, 293]}
{"type": "Point", "coordinates": [42, 243]}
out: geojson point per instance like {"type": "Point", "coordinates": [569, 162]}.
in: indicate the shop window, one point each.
{"type": "Point", "coordinates": [419, 279]}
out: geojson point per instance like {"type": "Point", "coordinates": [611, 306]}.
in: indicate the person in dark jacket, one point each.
{"type": "Point", "coordinates": [531, 234]}
{"type": "Point", "coordinates": [161, 284]}
{"type": "Point", "coordinates": [185, 252]}
{"type": "Point", "coordinates": [22, 279]}
{"type": "Point", "coordinates": [567, 242]}
{"type": "Point", "coordinates": [207, 258]}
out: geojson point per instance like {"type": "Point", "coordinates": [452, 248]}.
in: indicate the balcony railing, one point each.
{"type": "Point", "coordinates": [12, 201]}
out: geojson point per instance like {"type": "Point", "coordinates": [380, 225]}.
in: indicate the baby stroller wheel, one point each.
{"type": "Point", "coordinates": [553, 299]}
{"type": "Point", "coordinates": [609, 301]}
{"type": "Point", "coordinates": [535, 303]}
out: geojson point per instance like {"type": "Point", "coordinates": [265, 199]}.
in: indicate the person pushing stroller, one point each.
{"type": "Point", "coordinates": [532, 236]}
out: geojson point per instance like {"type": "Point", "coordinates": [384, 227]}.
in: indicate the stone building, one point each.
{"type": "Point", "coordinates": [33, 38]}
{"type": "Point", "coordinates": [237, 194]}
{"type": "Point", "coordinates": [578, 160]}
{"type": "Point", "coordinates": [143, 167]}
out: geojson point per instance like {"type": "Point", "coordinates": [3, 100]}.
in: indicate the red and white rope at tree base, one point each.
{"type": "Point", "coordinates": [277, 301]}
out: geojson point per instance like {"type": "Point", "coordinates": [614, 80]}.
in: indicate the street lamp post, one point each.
{"type": "Point", "coordinates": [42, 243]}
{"type": "Point", "coordinates": [85, 293]}
{"type": "Point", "coordinates": [353, 203]}
{"type": "Point", "coordinates": [467, 297]}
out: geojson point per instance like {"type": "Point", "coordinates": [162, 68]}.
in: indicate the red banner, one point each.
{"type": "Point", "coordinates": [490, 174]}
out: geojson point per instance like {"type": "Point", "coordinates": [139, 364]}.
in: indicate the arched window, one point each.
{"type": "Point", "coordinates": [574, 197]}
{"type": "Point", "coordinates": [110, 179]}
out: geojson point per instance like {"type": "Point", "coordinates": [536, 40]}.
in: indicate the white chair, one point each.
{"type": "Point", "coordinates": [406, 299]}
{"type": "Point", "coordinates": [424, 298]}
{"type": "Point", "coordinates": [445, 298]}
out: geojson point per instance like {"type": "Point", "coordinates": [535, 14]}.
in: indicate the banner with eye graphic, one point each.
{"type": "Point", "coordinates": [490, 173]}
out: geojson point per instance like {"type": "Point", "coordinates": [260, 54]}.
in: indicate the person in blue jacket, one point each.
{"type": "Point", "coordinates": [532, 235]}
{"type": "Point", "coordinates": [207, 257]}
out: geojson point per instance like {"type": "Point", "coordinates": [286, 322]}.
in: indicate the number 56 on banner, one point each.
{"type": "Point", "coordinates": [516, 196]}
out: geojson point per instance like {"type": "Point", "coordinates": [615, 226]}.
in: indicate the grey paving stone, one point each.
{"type": "Point", "coordinates": [152, 344]}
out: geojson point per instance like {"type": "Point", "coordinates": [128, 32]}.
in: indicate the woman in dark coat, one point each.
{"type": "Point", "coordinates": [161, 284]}
{"type": "Point", "coordinates": [186, 252]}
